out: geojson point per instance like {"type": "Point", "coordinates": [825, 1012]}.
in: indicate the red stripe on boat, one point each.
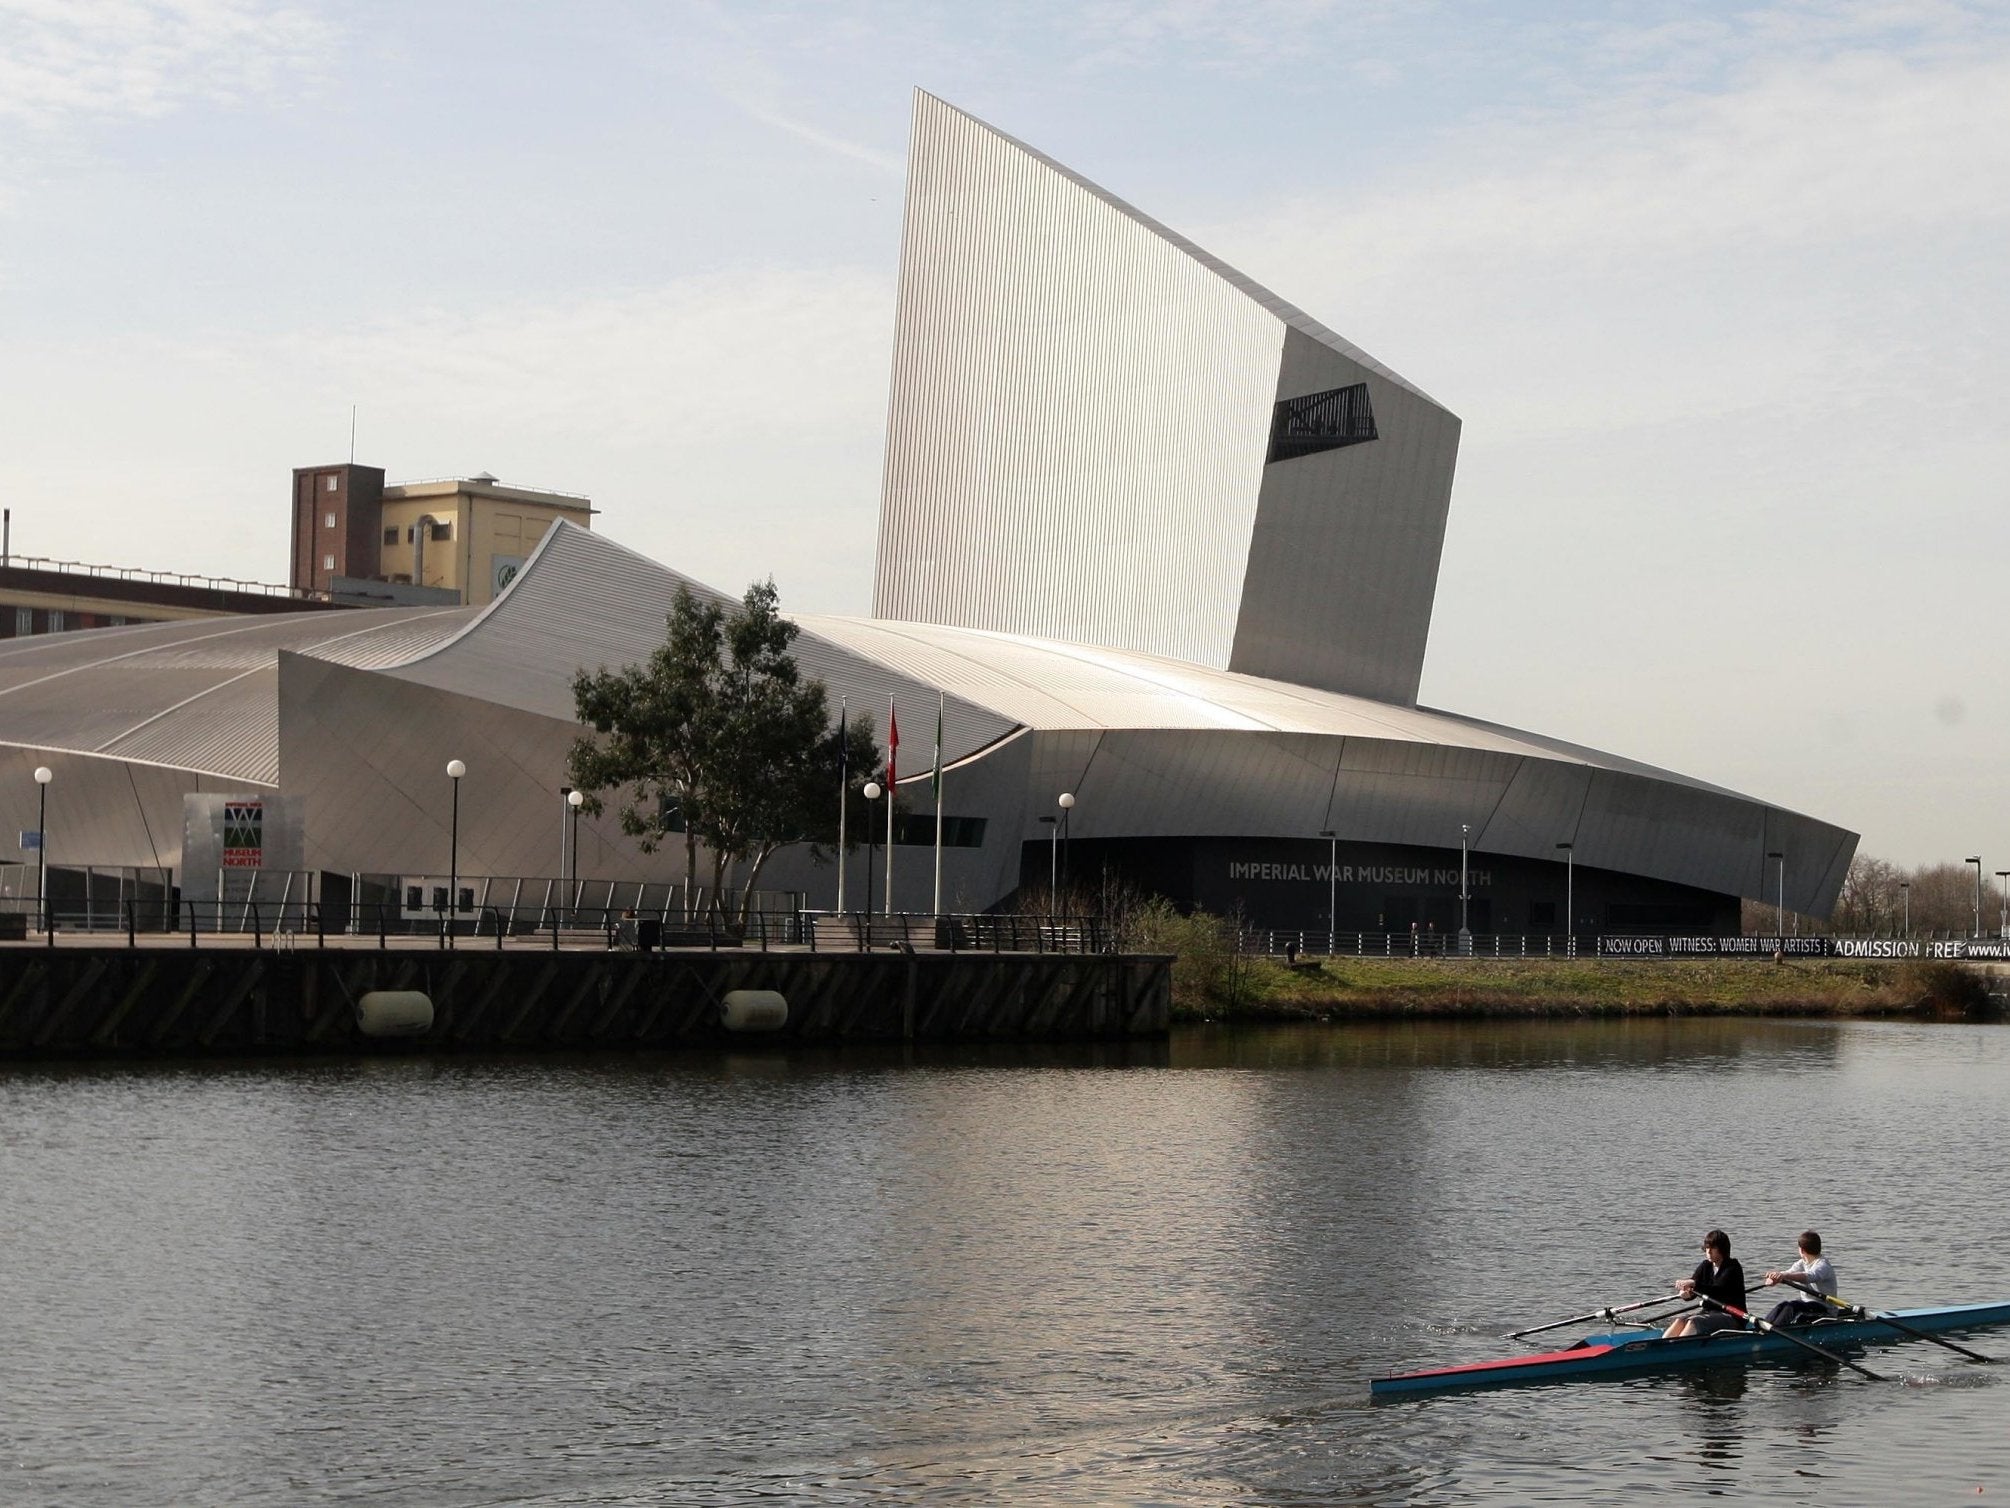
{"type": "Point", "coordinates": [1574, 1353]}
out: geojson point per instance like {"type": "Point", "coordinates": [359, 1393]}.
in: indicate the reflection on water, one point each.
{"type": "Point", "coordinates": [1100, 1274]}
{"type": "Point", "coordinates": [1646, 1042]}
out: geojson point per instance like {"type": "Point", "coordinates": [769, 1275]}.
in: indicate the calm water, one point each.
{"type": "Point", "coordinates": [1163, 1276]}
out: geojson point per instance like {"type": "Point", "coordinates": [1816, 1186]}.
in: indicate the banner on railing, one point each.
{"type": "Point", "coordinates": [1977, 948]}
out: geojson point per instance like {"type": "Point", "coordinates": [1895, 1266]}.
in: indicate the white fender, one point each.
{"type": "Point", "coordinates": [753, 1011]}
{"type": "Point", "coordinates": [395, 1013]}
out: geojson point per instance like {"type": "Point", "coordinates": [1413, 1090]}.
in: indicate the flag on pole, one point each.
{"type": "Point", "coordinates": [935, 780]}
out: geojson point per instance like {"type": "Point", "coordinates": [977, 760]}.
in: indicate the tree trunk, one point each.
{"type": "Point", "coordinates": [761, 856]}
{"type": "Point", "coordinates": [718, 901]}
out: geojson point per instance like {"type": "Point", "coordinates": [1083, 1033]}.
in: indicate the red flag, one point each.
{"type": "Point", "coordinates": [892, 747]}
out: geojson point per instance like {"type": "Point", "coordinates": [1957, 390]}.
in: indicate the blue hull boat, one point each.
{"type": "Point", "coordinates": [1637, 1351]}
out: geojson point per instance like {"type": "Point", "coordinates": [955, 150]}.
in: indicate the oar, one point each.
{"type": "Point", "coordinates": [1604, 1314]}
{"type": "Point", "coordinates": [1768, 1328]}
{"type": "Point", "coordinates": [1887, 1319]}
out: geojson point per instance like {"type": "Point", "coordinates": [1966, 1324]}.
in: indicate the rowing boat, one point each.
{"type": "Point", "coordinates": [1627, 1351]}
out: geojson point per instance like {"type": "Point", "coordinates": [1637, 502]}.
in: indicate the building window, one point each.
{"type": "Point", "coordinates": [328, 520]}
{"type": "Point", "coordinates": [24, 621]}
{"type": "Point", "coordinates": [1320, 421]}
{"type": "Point", "coordinates": [329, 483]}
{"type": "Point", "coordinates": [327, 562]}
{"type": "Point", "coordinates": [391, 535]}
{"type": "Point", "coordinates": [444, 531]}
{"type": "Point", "coordinates": [917, 829]}
{"type": "Point", "coordinates": [56, 623]}
{"type": "Point", "coordinates": [118, 620]}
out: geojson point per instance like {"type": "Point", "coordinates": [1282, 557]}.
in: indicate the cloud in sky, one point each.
{"type": "Point", "coordinates": [63, 61]}
{"type": "Point", "coordinates": [1716, 290]}
{"type": "Point", "coordinates": [729, 424]}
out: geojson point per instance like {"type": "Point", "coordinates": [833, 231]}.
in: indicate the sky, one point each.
{"type": "Point", "coordinates": [1718, 291]}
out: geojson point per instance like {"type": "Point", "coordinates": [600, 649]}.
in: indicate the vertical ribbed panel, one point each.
{"type": "Point", "coordinates": [1079, 410]}
{"type": "Point", "coordinates": [1343, 565]}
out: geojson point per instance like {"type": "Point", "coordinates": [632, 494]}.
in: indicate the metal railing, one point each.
{"type": "Point", "coordinates": [1311, 943]}
{"type": "Point", "coordinates": [157, 578]}
{"type": "Point", "coordinates": [832, 931]}
{"type": "Point", "coordinates": [288, 924]}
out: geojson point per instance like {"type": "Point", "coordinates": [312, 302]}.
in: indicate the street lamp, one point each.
{"type": "Point", "coordinates": [1569, 899]}
{"type": "Point", "coordinates": [455, 770]}
{"type": "Point", "coordinates": [1053, 858]}
{"type": "Point", "coordinates": [1332, 887]}
{"type": "Point", "coordinates": [1976, 860]}
{"type": "Point", "coordinates": [43, 775]}
{"type": "Point", "coordinates": [575, 800]}
{"type": "Point", "coordinates": [564, 792]}
{"type": "Point", "coordinates": [1066, 802]}
{"type": "Point", "coordinates": [1905, 896]}
{"type": "Point", "coordinates": [871, 793]}
{"type": "Point", "coordinates": [1780, 914]}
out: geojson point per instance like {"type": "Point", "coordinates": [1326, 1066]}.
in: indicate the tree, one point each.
{"type": "Point", "coordinates": [720, 725]}
{"type": "Point", "coordinates": [1869, 901]}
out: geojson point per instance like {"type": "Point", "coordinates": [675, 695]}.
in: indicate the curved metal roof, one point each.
{"type": "Point", "coordinates": [1205, 749]}
{"type": "Point", "coordinates": [200, 694]}
{"type": "Point", "coordinates": [1051, 686]}
{"type": "Point", "coordinates": [196, 694]}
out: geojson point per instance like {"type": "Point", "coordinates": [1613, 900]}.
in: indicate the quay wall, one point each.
{"type": "Point", "coordinates": [165, 1002]}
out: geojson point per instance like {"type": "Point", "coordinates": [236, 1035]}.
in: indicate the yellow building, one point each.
{"type": "Point", "coordinates": [456, 538]}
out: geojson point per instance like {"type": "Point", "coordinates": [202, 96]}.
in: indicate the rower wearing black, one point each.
{"type": "Point", "coordinates": [1719, 1278]}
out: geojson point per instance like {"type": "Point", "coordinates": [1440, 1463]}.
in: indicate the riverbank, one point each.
{"type": "Point", "coordinates": [1360, 989]}
{"type": "Point", "coordinates": [91, 1000]}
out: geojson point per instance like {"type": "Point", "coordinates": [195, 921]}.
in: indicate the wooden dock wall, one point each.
{"type": "Point", "coordinates": [147, 1002]}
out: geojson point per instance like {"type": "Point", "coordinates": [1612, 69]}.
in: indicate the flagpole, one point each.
{"type": "Point", "coordinates": [942, 701]}
{"type": "Point", "coordinates": [892, 785]}
{"type": "Point", "coordinates": [844, 780]}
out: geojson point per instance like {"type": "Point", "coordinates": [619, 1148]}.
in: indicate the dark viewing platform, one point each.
{"type": "Point", "coordinates": [231, 995]}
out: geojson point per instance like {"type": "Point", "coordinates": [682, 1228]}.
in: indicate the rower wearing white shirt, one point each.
{"type": "Point", "coordinates": [1811, 1270]}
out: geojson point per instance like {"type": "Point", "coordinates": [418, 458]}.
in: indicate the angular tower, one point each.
{"type": "Point", "coordinates": [1100, 433]}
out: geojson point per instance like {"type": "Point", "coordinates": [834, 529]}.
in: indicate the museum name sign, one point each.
{"type": "Point", "coordinates": [1358, 874]}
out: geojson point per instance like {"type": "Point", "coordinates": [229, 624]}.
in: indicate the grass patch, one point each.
{"type": "Point", "coordinates": [1381, 988]}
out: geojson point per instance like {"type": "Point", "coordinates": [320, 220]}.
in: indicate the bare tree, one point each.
{"type": "Point", "coordinates": [1868, 904]}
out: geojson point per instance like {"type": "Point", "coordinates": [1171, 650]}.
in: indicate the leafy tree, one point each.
{"type": "Point", "coordinates": [720, 726]}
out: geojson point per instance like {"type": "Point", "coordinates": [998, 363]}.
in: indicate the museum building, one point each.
{"type": "Point", "coordinates": [1149, 536]}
